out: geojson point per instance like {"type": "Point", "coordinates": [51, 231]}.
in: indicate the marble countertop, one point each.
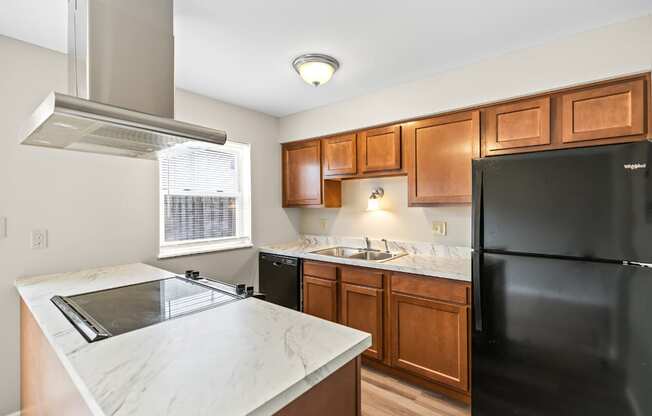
{"type": "Point", "coordinates": [248, 357]}
{"type": "Point", "coordinates": [422, 258]}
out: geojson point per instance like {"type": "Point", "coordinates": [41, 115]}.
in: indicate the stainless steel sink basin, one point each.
{"type": "Point", "coordinates": [339, 251]}
{"type": "Point", "coordinates": [359, 254]}
{"type": "Point", "coordinates": [373, 256]}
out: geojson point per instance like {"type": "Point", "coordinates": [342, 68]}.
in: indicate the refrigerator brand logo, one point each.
{"type": "Point", "coordinates": [635, 166]}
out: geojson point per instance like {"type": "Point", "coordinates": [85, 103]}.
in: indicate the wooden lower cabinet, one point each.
{"type": "Point", "coordinates": [362, 308]}
{"type": "Point", "coordinates": [320, 297]}
{"type": "Point", "coordinates": [45, 386]}
{"type": "Point", "coordinates": [338, 394]}
{"type": "Point", "coordinates": [419, 324]}
{"type": "Point", "coordinates": [430, 338]}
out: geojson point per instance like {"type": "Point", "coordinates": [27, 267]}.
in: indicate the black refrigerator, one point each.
{"type": "Point", "coordinates": [562, 290]}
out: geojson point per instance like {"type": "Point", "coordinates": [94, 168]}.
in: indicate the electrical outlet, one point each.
{"type": "Point", "coordinates": [323, 224]}
{"type": "Point", "coordinates": [3, 227]}
{"type": "Point", "coordinates": [439, 228]}
{"type": "Point", "coordinates": [39, 239]}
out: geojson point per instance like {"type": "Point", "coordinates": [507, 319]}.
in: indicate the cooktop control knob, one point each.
{"type": "Point", "coordinates": [250, 290]}
{"type": "Point", "coordinates": [240, 289]}
{"type": "Point", "coordinates": [195, 275]}
{"type": "Point", "coordinates": [189, 274]}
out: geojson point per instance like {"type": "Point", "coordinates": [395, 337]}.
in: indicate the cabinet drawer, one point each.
{"type": "Point", "coordinates": [323, 270]}
{"type": "Point", "coordinates": [362, 277]}
{"type": "Point", "coordinates": [432, 288]}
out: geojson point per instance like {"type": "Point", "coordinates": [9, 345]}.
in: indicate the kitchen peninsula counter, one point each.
{"type": "Point", "coordinates": [247, 357]}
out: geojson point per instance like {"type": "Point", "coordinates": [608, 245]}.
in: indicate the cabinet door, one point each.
{"type": "Point", "coordinates": [320, 298]}
{"type": "Point", "coordinates": [440, 151]}
{"type": "Point", "coordinates": [302, 174]}
{"type": "Point", "coordinates": [340, 155]}
{"type": "Point", "coordinates": [520, 124]}
{"type": "Point", "coordinates": [380, 149]}
{"type": "Point", "coordinates": [362, 308]}
{"type": "Point", "coordinates": [604, 112]}
{"type": "Point", "coordinates": [430, 338]}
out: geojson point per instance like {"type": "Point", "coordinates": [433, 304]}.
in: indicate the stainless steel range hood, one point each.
{"type": "Point", "coordinates": [121, 72]}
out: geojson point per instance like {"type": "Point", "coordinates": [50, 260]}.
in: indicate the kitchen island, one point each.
{"type": "Point", "coordinates": [247, 357]}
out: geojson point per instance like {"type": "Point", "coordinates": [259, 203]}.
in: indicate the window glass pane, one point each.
{"type": "Point", "coordinates": [199, 171]}
{"type": "Point", "coordinates": [201, 193]}
{"type": "Point", "coordinates": [199, 217]}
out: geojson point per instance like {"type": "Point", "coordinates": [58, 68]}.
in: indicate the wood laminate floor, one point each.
{"type": "Point", "coordinates": [383, 395]}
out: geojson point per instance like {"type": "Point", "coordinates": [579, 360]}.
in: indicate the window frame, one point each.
{"type": "Point", "coordinates": [243, 238]}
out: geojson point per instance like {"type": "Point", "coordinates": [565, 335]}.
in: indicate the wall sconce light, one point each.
{"type": "Point", "coordinates": [373, 204]}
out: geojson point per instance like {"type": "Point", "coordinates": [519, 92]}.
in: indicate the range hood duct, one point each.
{"type": "Point", "coordinates": [121, 72]}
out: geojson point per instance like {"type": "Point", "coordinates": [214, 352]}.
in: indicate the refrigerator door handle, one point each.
{"type": "Point", "coordinates": [477, 207]}
{"type": "Point", "coordinates": [477, 292]}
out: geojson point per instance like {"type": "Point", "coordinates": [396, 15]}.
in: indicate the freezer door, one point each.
{"type": "Point", "coordinates": [588, 203]}
{"type": "Point", "coordinates": [562, 337]}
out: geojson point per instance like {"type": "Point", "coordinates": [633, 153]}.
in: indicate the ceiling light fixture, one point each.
{"type": "Point", "coordinates": [316, 69]}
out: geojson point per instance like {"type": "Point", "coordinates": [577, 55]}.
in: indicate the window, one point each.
{"type": "Point", "coordinates": [205, 193]}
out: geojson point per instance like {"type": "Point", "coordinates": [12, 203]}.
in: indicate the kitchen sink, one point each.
{"type": "Point", "coordinates": [339, 251]}
{"type": "Point", "coordinates": [359, 254]}
{"type": "Point", "coordinates": [373, 256]}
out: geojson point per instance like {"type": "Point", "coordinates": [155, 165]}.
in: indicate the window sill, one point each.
{"type": "Point", "coordinates": [170, 252]}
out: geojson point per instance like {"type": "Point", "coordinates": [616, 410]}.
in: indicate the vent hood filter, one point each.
{"type": "Point", "coordinates": [72, 123]}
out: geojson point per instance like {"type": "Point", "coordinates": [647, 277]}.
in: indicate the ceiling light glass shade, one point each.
{"type": "Point", "coordinates": [373, 204]}
{"type": "Point", "coordinates": [315, 69]}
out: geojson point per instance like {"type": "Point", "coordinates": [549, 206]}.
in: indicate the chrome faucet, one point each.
{"type": "Point", "coordinates": [367, 243]}
{"type": "Point", "coordinates": [384, 240]}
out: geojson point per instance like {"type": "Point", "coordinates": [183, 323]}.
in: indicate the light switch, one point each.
{"type": "Point", "coordinates": [323, 224]}
{"type": "Point", "coordinates": [3, 227]}
{"type": "Point", "coordinates": [439, 228]}
{"type": "Point", "coordinates": [39, 239]}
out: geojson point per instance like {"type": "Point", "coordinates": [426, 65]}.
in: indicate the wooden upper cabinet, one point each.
{"type": "Point", "coordinates": [302, 180]}
{"type": "Point", "coordinates": [520, 124]}
{"type": "Point", "coordinates": [440, 151]}
{"type": "Point", "coordinates": [430, 339]}
{"type": "Point", "coordinates": [604, 112]}
{"type": "Point", "coordinates": [362, 308]}
{"type": "Point", "coordinates": [340, 155]}
{"type": "Point", "coordinates": [380, 149]}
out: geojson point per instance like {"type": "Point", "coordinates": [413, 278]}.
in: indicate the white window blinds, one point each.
{"type": "Point", "coordinates": [205, 198]}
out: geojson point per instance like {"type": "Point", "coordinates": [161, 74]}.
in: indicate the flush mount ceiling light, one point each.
{"type": "Point", "coordinates": [316, 69]}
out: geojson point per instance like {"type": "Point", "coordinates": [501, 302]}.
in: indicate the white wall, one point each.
{"type": "Point", "coordinates": [607, 52]}
{"type": "Point", "coordinates": [102, 210]}
{"type": "Point", "coordinates": [395, 221]}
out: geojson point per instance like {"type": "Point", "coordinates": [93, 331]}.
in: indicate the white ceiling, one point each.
{"type": "Point", "coordinates": [240, 51]}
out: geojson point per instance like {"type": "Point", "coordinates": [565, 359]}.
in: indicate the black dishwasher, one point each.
{"type": "Point", "coordinates": [279, 278]}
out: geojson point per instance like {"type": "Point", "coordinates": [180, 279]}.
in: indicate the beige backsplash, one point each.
{"type": "Point", "coordinates": [395, 221]}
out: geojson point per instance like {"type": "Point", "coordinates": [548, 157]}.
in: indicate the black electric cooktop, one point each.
{"type": "Point", "coordinates": [105, 313]}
